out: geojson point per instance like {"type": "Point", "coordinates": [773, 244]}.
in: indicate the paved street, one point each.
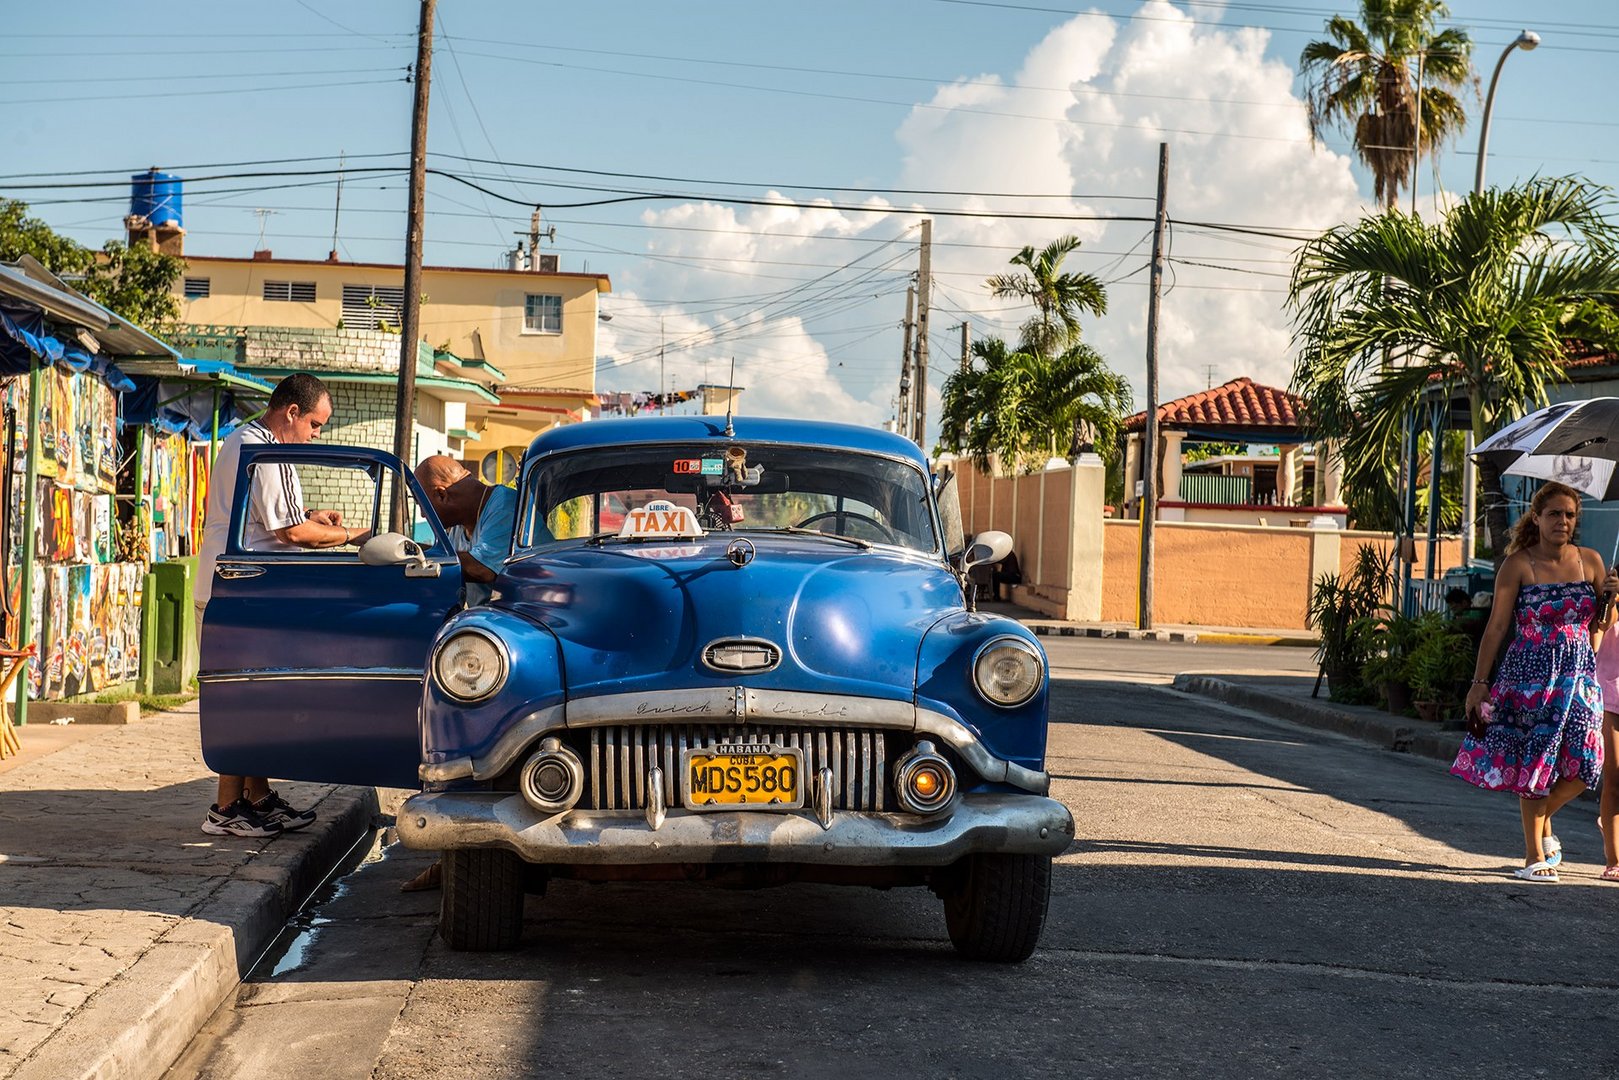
{"type": "Point", "coordinates": [1246, 898]}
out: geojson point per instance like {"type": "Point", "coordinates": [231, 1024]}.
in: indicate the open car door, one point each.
{"type": "Point", "coordinates": [312, 661]}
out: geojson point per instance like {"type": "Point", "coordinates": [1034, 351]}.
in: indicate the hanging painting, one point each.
{"type": "Point", "coordinates": [60, 544]}
{"type": "Point", "coordinates": [107, 437]}
{"type": "Point", "coordinates": [76, 648]}
{"type": "Point", "coordinates": [55, 632]}
{"type": "Point", "coordinates": [67, 466]}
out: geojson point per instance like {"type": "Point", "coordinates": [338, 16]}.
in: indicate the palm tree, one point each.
{"type": "Point", "coordinates": [1059, 298]}
{"type": "Point", "coordinates": [1024, 409]}
{"type": "Point", "coordinates": [1361, 81]}
{"type": "Point", "coordinates": [1482, 305]}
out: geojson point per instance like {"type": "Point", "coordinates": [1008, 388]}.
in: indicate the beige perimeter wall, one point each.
{"type": "Point", "coordinates": [1082, 567]}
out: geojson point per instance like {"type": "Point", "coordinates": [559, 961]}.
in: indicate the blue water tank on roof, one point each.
{"type": "Point", "coordinates": [155, 196]}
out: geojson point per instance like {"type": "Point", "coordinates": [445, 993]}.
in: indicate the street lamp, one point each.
{"type": "Point", "coordinates": [1526, 40]}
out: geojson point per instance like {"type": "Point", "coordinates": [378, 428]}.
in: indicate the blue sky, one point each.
{"type": "Point", "coordinates": [720, 98]}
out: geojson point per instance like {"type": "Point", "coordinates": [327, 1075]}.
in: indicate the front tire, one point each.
{"type": "Point", "coordinates": [481, 909]}
{"type": "Point", "coordinates": [995, 906]}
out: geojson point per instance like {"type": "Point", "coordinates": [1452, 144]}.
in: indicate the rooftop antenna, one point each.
{"type": "Point", "coordinates": [730, 400]}
{"type": "Point", "coordinates": [264, 216]}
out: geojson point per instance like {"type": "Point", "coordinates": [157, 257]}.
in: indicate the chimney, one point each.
{"type": "Point", "coordinates": [262, 255]}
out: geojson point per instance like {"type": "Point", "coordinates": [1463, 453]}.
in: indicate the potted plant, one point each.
{"type": "Point", "coordinates": [1392, 637]}
{"type": "Point", "coordinates": [1340, 607]}
{"type": "Point", "coordinates": [1440, 663]}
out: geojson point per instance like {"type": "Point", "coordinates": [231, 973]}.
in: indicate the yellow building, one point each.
{"type": "Point", "coordinates": [528, 336]}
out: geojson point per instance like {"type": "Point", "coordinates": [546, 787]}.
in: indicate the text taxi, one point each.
{"type": "Point", "coordinates": [726, 651]}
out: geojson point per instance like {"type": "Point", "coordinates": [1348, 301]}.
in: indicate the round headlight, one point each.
{"type": "Point", "coordinates": [1008, 671]}
{"type": "Point", "coordinates": [470, 666]}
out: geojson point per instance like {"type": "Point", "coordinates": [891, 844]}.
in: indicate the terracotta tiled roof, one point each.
{"type": "Point", "coordinates": [1239, 404]}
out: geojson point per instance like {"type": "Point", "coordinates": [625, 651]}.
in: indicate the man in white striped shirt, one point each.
{"type": "Point", "coordinates": [276, 520]}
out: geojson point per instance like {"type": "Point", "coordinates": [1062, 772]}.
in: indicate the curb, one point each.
{"type": "Point", "coordinates": [135, 1027]}
{"type": "Point", "coordinates": [1389, 732]}
{"type": "Point", "coordinates": [1258, 639]}
{"type": "Point", "coordinates": [1040, 629]}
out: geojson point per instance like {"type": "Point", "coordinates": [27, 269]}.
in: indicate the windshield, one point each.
{"type": "Point", "coordinates": [731, 487]}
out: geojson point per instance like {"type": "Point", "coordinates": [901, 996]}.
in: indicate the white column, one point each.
{"type": "Point", "coordinates": [1172, 464]}
{"type": "Point", "coordinates": [1286, 474]}
{"type": "Point", "coordinates": [1084, 582]}
{"type": "Point", "coordinates": [1330, 463]}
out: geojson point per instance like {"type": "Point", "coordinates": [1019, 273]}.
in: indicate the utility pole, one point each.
{"type": "Point", "coordinates": [902, 419]}
{"type": "Point", "coordinates": [1148, 504]}
{"type": "Point", "coordinates": [966, 344]}
{"type": "Point", "coordinates": [337, 207]}
{"type": "Point", "coordinates": [924, 291]}
{"type": "Point", "coordinates": [411, 318]}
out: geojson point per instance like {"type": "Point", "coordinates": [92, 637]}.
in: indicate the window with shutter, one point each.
{"type": "Point", "coordinates": [301, 291]}
{"type": "Point", "coordinates": [365, 306]}
{"type": "Point", "coordinates": [197, 288]}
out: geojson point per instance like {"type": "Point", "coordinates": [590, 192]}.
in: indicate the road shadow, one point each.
{"type": "Point", "coordinates": [1367, 970]}
{"type": "Point", "coordinates": [1415, 791]}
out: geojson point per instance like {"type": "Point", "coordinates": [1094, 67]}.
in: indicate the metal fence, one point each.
{"type": "Point", "coordinates": [1212, 488]}
{"type": "Point", "coordinates": [1424, 595]}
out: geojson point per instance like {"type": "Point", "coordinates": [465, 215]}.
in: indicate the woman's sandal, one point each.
{"type": "Point", "coordinates": [1540, 873]}
{"type": "Point", "coordinates": [1552, 848]}
{"type": "Point", "coordinates": [1610, 874]}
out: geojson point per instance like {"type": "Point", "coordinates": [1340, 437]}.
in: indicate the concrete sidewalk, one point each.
{"type": "Point", "coordinates": [1187, 634]}
{"type": "Point", "coordinates": [124, 925]}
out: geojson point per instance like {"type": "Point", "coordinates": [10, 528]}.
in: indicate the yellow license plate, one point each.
{"type": "Point", "coordinates": [752, 775]}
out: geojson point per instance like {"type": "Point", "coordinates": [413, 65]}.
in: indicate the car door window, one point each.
{"type": "Point", "coordinates": [362, 492]}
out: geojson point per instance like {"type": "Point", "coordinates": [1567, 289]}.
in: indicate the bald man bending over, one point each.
{"type": "Point", "coordinates": [480, 518]}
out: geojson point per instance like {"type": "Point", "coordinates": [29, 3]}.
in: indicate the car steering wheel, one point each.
{"type": "Point", "coordinates": [886, 534]}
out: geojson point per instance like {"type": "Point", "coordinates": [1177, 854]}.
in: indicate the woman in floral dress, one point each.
{"type": "Point", "coordinates": [1537, 730]}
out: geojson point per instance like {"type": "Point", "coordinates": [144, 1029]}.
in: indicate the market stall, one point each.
{"type": "Point", "coordinates": [110, 434]}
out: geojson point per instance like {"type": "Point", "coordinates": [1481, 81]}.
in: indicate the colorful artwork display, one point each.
{"type": "Point", "coordinates": [85, 605]}
{"type": "Point", "coordinates": [90, 625]}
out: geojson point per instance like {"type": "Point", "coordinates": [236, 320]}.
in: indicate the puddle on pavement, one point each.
{"type": "Point", "coordinates": [290, 949]}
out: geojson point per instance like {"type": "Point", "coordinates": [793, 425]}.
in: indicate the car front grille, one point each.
{"type": "Point", "coordinates": [620, 757]}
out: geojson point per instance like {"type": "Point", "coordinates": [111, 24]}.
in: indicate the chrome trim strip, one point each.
{"type": "Point", "coordinates": [1000, 823]}
{"type": "Point", "coordinates": [717, 705]}
{"type": "Point", "coordinates": [353, 559]}
{"type": "Point", "coordinates": [985, 764]}
{"type": "Point", "coordinates": [741, 704]}
{"type": "Point", "coordinates": [285, 674]}
{"type": "Point", "coordinates": [506, 750]}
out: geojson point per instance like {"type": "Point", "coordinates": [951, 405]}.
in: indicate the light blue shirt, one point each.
{"type": "Point", "coordinates": [491, 540]}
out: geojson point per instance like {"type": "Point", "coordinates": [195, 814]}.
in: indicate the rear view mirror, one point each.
{"type": "Point", "coordinates": [987, 547]}
{"type": "Point", "coordinates": [396, 549]}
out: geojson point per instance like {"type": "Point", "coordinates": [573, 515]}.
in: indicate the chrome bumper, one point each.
{"type": "Point", "coordinates": [1005, 824]}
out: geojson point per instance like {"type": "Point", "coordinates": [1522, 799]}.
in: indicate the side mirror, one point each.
{"type": "Point", "coordinates": [396, 549]}
{"type": "Point", "coordinates": [988, 547]}
{"type": "Point", "coordinates": [949, 500]}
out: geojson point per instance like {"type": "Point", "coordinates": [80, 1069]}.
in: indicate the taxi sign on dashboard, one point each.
{"type": "Point", "coordinates": [660, 519]}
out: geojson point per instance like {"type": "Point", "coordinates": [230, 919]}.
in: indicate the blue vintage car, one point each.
{"type": "Point", "coordinates": [738, 651]}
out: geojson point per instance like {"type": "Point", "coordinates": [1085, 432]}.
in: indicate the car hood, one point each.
{"type": "Point", "coordinates": [633, 617]}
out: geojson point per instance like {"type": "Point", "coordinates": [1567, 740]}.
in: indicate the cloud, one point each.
{"type": "Point", "coordinates": [1082, 116]}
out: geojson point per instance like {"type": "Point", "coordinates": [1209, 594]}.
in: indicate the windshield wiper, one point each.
{"type": "Point", "coordinates": [794, 530]}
